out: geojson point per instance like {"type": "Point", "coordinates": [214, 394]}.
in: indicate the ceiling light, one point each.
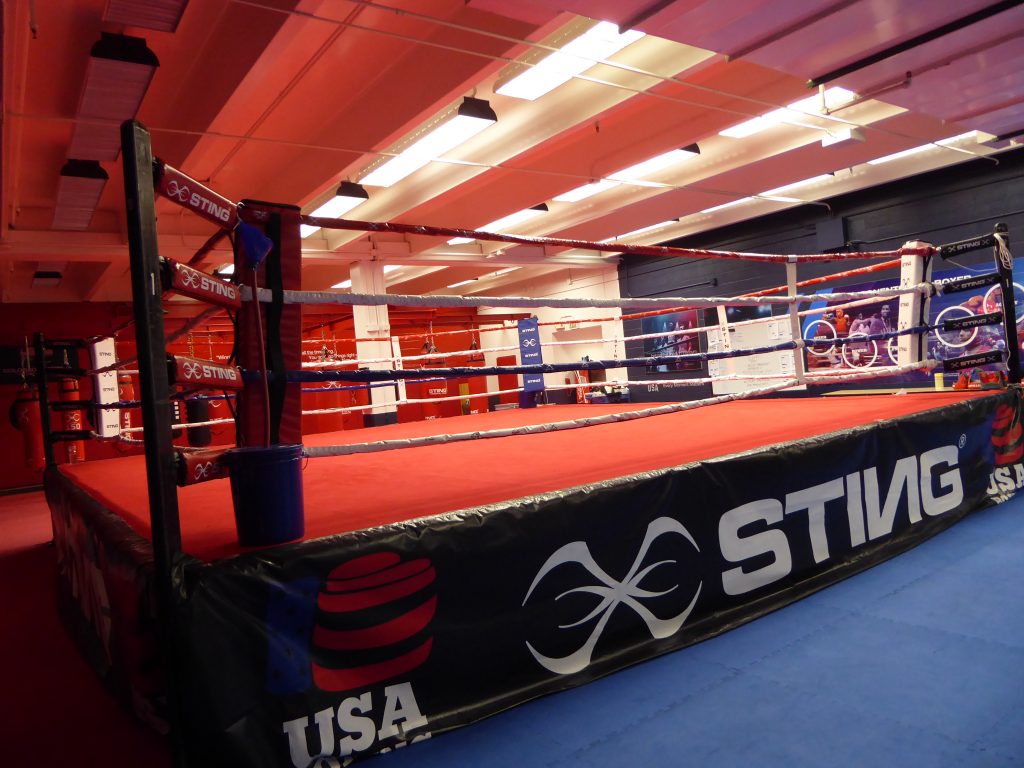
{"type": "Point", "coordinates": [901, 155]}
{"type": "Point", "coordinates": [462, 282]}
{"type": "Point", "coordinates": [587, 190]}
{"type": "Point", "coordinates": [793, 114]}
{"type": "Point", "coordinates": [343, 284]}
{"type": "Point", "coordinates": [225, 270]}
{"type": "Point", "coordinates": [46, 278]}
{"type": "Point", "coordinates": [727, 205]}
{"type": "Point", "coordinates": [78, 193]}
{"type": "Point", "coordinates": [656, 163]}
{"type": "Point", "coordinates": [797, 184]}
{"type": "Point", "coordinates": [958, 139]}
{"type": "Point", "coordinates": [643, 230]}
{"type": "Point", "coordinates": [504, 271]}
{"type": "Point", "coordinates": [504, 223]}
{"type": "Point", "coordinates": [347, 197]}
{"type": "Point", "coordinates": [161, 15]}
{"type": "Point", "coordinates": [472, 117]}
{"type": "Point", "coordinates": [117, 76]}
{"type": "Point", "coordinates": [582, 53]}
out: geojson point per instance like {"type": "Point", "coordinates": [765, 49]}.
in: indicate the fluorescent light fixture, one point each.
{"type": "Point", "coordinates": [117, 76]}
{"type": "Point", "coordinates": [348, 196]}
{"type": "Point", "coordinates": [793, 114]}
{"type": "Point", "coordinates": [727, 205]}
{"type": "Point", "coordinates": [655, 164]}
{"type": "Point", "coordinates": [504, 271]}
{"type": "Point", "coordinates": [473, 116]}
{"type": "Point", "coordinates": [574, 58]}
{"type": "Point", "coordinates": [901, 155]}
{"type": "Point", "coordinates": [506, 222]}
{"type": "Point", "coordinates": [587, 190]}
{"type": "Point", "coordinates": [79, 189]}
{"type": "Point", "coordinates": [958, 139]}
{"type": "Point", "coordinates": [797, 185]}
{"type": "Point", "coordinates": [225, 270]}
{"type": "Point", "coordinates": [643, 230]}
{"type": "Point", "coordinates": [46, 278]}
{"type": "Point", "coordinates": [462, 282]}
{"type": "Point", "coordinates": [161, 15]}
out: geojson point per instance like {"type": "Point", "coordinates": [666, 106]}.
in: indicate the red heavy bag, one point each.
{"type": "Point", "coordinates": [25, 418]}
{"type": "Point", "coordinates": [71, 420]}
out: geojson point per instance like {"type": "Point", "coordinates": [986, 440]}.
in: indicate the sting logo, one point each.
{"type": "Point", "coordinates": [612, 593]}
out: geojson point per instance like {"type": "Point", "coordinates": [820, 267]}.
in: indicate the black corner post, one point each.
{"type": "Point", "coordinates": [43, 387]}
{"type": "Point", "coordinates": [137, 155]}
{"type": "Point", "coordinates": [1004, 266]}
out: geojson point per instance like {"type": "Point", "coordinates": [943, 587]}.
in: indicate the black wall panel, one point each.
{"type": "Point", "coordinates": [938, 207]}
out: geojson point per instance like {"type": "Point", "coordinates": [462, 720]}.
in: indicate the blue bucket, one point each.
{"type": "Point", "coordinates": [266, 489]}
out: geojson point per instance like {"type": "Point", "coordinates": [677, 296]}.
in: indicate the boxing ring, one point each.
{"type": "Point", "coordinates": [446, 572]}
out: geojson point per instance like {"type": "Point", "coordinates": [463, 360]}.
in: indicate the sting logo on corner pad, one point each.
{"type": "Point", "coordinates": [358, 634]}
{"type": "Point", "coordinates": [649, 589]}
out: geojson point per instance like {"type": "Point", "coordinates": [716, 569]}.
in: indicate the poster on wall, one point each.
{"type": "Point", "coordinates": [836, 324]}
{"type": "Point", "coordinates": [675, 336]}
{"type": "Point", "coordinates": [749, 328]}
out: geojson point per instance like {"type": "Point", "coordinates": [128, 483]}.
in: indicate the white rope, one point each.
{"type": "Point", "coordinates": [557, 426]}
{"type": "Point", "coordinates": [405, 300]}
{"type": "Point", "coordinates": [184, 426]}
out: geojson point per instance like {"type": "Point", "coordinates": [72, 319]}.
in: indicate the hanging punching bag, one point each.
{"type": "Point", "coordinates": [198, 411]}
{"type": "Point", "coordinates": [25, 418]}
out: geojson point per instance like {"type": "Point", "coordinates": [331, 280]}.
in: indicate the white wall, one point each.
{"type": "Point", "coordinates": [590, 329]}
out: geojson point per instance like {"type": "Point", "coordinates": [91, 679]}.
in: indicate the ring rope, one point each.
{"type": "Point", "coordinates": [387, 445]}
{"type": "Point", "coordinates": [407, 300]}
{"type": "Point", "coordinates": [922, 250]}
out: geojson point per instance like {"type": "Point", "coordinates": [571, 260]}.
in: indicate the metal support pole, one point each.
{"type": "Point", "coordinates": [43, 385]}
{"type": "Point", "coordinates": [156, 405]}
{"type": "Point", "coordinates": [1004, 265]}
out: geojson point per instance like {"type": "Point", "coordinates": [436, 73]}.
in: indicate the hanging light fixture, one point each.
{"type": "Point", "coordinates": [505, 222]}
{"type": "Point", "coordinates": [473, 116]}
{"type": "Point", "coordinates": [348, 196]}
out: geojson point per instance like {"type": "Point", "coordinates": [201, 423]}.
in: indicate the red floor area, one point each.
{"type": "Point", "coordinates": [354, 492]}
{"type": "Point", "coordinates": [53, 707]}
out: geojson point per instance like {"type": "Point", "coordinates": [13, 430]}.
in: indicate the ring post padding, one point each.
{"type": "Point", "coordinates": [104, 386]}
{"type": "Point", "coordinates": [913, 307]}
{"type": "Point", "coordinates": [154, 391]}
{"type": "Point", "coordinates": [794, 324]}
{"type": "Point", "coordinates": [281, 271]}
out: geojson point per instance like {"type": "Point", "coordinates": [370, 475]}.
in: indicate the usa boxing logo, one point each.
{"type": "Point", "coordinates": [612, 593]}
{"type": "Point", "coordinates": [367, 622]}
{"type": "Point", "coordinates": [1008, 449]}
{"type": "Point", "coordinates": [1006, 435]}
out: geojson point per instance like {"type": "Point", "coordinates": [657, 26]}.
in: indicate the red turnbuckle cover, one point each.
{"type": "Point", "coordinates": [189, 193]}
{"type": "Point", "coordinates": [203, 374]}
{"type": "Point", "coordinates": [199, 285]}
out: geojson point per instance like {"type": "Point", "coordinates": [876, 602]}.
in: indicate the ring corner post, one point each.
{"type": "Point", "coordinates": [137, 160]}
{"type": "Point", "coordinates": [1004, 265]}
{"type": "Point", "coordinates": [43, 387]}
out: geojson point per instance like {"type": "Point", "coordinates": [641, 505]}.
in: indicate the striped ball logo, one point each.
{"type": "Point", "coordinates": [372, 617]}
{"type": "Point", "coordinates": [1007, 436]}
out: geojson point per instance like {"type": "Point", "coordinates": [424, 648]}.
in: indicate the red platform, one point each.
{"type": "Point", "coordinates": [352, 493]}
